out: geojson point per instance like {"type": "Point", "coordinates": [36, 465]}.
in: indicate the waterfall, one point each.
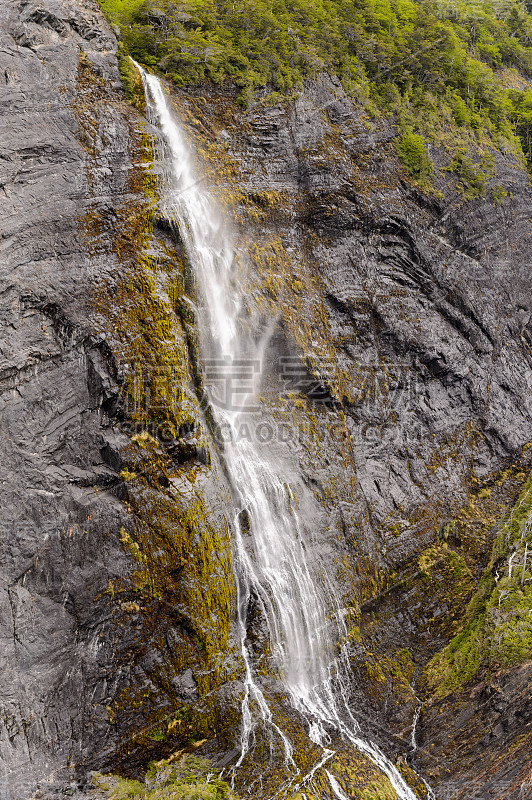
{"type": "Point", "coordinates": [270, 560]}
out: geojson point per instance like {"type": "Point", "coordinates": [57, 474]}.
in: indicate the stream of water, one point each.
{"type": "Point", "coordinates": [269, 535]}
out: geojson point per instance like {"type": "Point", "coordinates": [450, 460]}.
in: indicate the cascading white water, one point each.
{"type": "Point", "coordinates": [269, 549]}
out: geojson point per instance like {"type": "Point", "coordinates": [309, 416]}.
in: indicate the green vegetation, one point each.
{"type": "Point", "coordinates": [498, 629]}
{"type": "Point", "coordinates": [381, 790]}
{"type": "Point", "coordinates": [130, 78]}
{"type": "Point", "coordinates": [498, 195]}
{"type": "Point", "coordinates": [186, 777]}
{"type": "Point", "coordinates": [442, 68]}
{"type": "Point", "coordinates": [413, 153]}
{"type": "Point", "coordinates": [521, 115]}
{"type": "Point", "coordinates": [472, 177]}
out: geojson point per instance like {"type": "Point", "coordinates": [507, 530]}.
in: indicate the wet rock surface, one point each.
{"type": "Point", "coordinates": [484, 733]}
{"type": "Point", "coordinates": [421, 304]}
{"type": "Point", "coordinates": [422, 307]}
{"type": "Point", "coordinates": [70, 646]}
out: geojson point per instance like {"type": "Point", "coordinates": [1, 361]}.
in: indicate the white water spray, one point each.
{"type": "Point", "coordinates": [269, 547]}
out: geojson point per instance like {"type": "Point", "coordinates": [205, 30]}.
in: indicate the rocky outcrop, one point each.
{"type": "Point", "coordinates": [478, 741]}
{"type": "Point", "coordinates": [410, 417]}
{"type": "Point", "coordinates": [398, 390]}
{"type": "Point", "coordinates": [83, 634]}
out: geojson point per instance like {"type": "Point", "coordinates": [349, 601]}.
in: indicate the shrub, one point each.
{"type": "Point", "coordinates": [413, 154]}
{"type": "Point", "coordinates": [472, 179]}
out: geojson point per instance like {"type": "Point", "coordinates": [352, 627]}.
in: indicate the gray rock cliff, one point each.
{"type": "Point", "coordinates": [411, 313]}
{"type": "Point", "coordinates": [77, 628]}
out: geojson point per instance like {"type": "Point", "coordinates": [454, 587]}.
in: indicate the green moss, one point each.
{"type": "Point", "coordinates": [413, 780]}
{"type": "Point", "coordinates": [498, 626]}
{"type": "Point", "coordinates": [139, 307]}
{"type": "Point", "coordinates": [498, 195]}
{"type": "Point", "coordinates": [182, 558]}
{"type": "Point", "coordinates": [359, 778]}
{"type": "Point", "coordinates": [381, 790]}
{"type": "Point", "coordinates": [181, 777]}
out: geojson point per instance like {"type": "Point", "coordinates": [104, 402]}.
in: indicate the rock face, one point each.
{"type": "Point", "coordinates": [412, 315]}
{"type": "Point", "coordinates": [423, 305]}
{"type": "Point", "coordinates": [80, 626]}
{"type": "Point", "coordinates": [408, 317]}
{"type": "Point", "coordinates": [481, 739]}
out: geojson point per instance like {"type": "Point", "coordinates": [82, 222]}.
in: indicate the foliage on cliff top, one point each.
{"type": "Point", "coordinates": [498, 629]}
{"type": "Point", "coordinates": [407, 56]}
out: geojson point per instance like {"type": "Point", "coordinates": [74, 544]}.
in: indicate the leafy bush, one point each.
{"type": "Point", "coordinates": [413, 153]}
{"type": "Point", "coordinates": [473, 179]}
{"type": "Point", "coordinates": [521, 115]}
{"type": "Point", "coordinates": [130, 77]}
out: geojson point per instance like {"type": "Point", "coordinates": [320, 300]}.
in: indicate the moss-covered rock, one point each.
{"type": "Point", "coordinates": [183, 776]}
{"type": "Point", "coordinates": [497, 630]}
